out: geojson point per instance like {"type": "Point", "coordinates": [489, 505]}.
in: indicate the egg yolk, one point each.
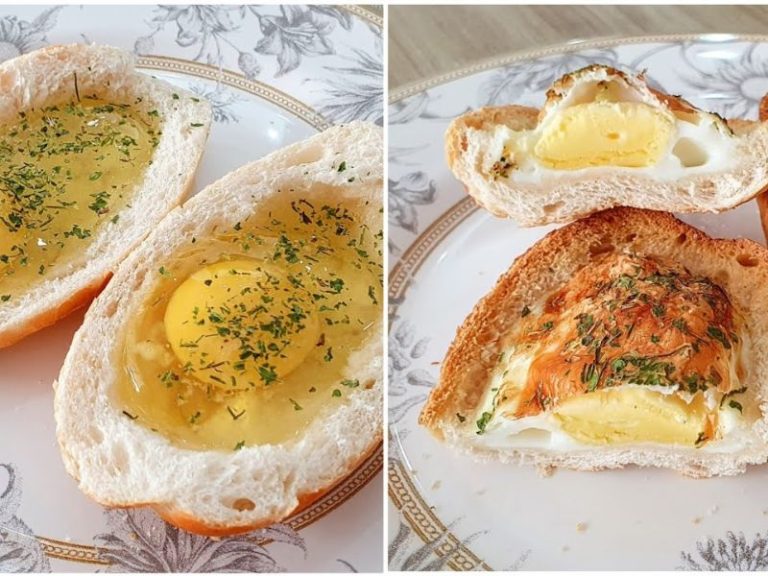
{"type": "Point", "coordinates": [629, 349]}
{"type": "Point", "coordinates": [613, 416]}
{"type": "Point", "coordinates": [603, 133]}
{"type": "Point", "coordinates": [240, 324]}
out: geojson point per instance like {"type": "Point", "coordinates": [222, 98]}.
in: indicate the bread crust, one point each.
{"type": "Point", "coordinates": [121, 463]}
{"type": "Point", "coordinates": [45, 77]}
{"type": "Point", "coordinates": [762, 198]}
{"type": "Point", "coordinates": [739, 266]}
{"type": "Point", "coordinates": [78, 300]}
{"type": "Point", "coordinates": [570, 196]}
{"type": "Point", "coordinates": [198, 526]}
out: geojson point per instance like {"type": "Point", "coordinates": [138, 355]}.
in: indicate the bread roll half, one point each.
{"type": "Point", "coordinates": [56, 76]}
{"type": "Point", "coordinates": [628, 337]}
{"type": "Point", "coordinates": [119, 460]}
{"type": "Point", "coordinates": [605, 139]}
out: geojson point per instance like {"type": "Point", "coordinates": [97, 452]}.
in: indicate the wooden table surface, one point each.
{"type": "Point", "coordinates": [426, 41]}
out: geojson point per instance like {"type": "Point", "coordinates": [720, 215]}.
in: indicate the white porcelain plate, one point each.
{"type": "Point", "coordinates": [445, 254]}
{"type": "Point", "coordinates": [274, 75]}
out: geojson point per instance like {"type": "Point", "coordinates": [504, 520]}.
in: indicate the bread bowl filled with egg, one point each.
{"type": "Point", "coordinates": [628, 337]}
{"type": "Point", "coordinates": [231, 372]}
{"type": "Point", "coordinates": [93, 154]}
{"type": "Point", "coordinates": [605, 138]}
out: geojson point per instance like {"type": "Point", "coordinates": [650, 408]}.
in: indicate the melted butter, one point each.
{"type": "Point", "coordinates": [65, 171]}
{"type": "Point", "coordinates": [246, 337]}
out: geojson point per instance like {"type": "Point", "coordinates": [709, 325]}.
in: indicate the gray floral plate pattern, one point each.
{"type": "Point", "coordinates": [445, 253]}
{"type": "Point", "coordinates": [274, 75]}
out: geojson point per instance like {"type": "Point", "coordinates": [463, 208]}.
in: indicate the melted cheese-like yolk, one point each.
{"type": "Point", "coordinates": [627, 134]}
{"type": "Point", "coordinates": [238, 323]}
{"type": "Point", "coordinates": [636, 415]}
{"type": "Point", "coordinates": [630, 349]}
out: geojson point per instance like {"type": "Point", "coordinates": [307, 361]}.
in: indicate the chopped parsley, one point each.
{"type": "Point", "coordinates": [296, 405]}
{"type": "Point", "coordinates": [483, 421]}
{"type": "Point", "coordinates": [235, 414]}
{"type": "Point", "coordinates": [267, 374]}
{"type": "Point", "coordinates": [717, 334]}
{"type": "Point", "coordinates": [501, 168]}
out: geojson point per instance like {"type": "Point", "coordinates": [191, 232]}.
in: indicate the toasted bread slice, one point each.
{"type": "Point", "coordinates": [555, 335]}
{"type": "Point", "coordinates": [659, 153]}
{"type": "Point", "coordinates": [762, 199]}
{"type": "Point", "coordinates": [56, 77]}
{"type": "Point", "coordinates": [108, 443]}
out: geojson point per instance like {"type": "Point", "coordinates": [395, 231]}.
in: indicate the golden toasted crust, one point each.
{"type": "Point", "coordinates": [737, 265]}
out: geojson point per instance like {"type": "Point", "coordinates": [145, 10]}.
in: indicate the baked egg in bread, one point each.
{"type": "Point", "coordinates": [604, 138]}
{"type": "Point", "coordinates": [92, 156]}
{"type": "Point", "coordinates": [625, 338]}
{"type": "Point", "coordinates": [230, 374]}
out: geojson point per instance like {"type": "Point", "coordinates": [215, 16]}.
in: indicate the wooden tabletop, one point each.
{"type": "Point", "coordinates": [426, 41]}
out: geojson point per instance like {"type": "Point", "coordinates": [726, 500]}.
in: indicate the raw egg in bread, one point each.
{"type": "Point", "coordinates": [247, 335]}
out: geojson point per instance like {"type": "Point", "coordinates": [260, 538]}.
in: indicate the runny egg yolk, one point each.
{"type": "Point", "coordinates": [240, 324]}
{"type": "Point", "coordinates": [602, 133]}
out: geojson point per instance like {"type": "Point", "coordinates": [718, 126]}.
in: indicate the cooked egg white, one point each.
{"type": "Point", "coordinates": [600, 123]}
{"type": "Point", "coordinates": [673, 406]}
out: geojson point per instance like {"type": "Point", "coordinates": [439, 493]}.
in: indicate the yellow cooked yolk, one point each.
{"type": "Point", "coordinates": [612, 416]}
{"type": "Point", "coordinates": [629, 349]}
{"type": "Point", "coordinates": [626, 134]}
{"type": "Point", "coordinates": [240, 324]}
{"type": "Point", "coordinates": [65, 171]}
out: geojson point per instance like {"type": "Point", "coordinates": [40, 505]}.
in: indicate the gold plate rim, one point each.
{"type": "Point", "coordinates": [402, 491]}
